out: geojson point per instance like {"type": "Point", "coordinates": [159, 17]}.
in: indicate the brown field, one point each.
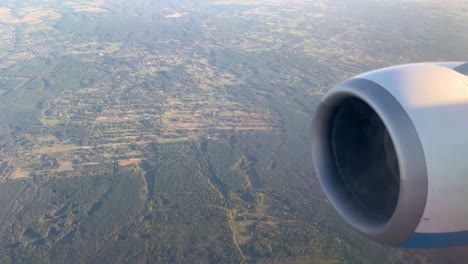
{"type": "Point", "coordinates": [91, 6]}
{"type": "Point", "coordinates": [258, 11]}
{"type": "Point", "coordinates": [124, 163]}
{"type": "Point", "coordinates": [30, 15]}
{"type": "Point", "coordinates": [89, 9]}
{"type": "Point", "coordinates": [65, 166]}
{"type": "Point", "coordinates": [177, 15]}
{"type": "Point", "coordinates": [20, 174]}
{"type": "Point", "coordinates": [59, 148]}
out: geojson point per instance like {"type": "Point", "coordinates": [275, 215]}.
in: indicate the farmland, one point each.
{"type": "Point", "coordinates": [177, 131]}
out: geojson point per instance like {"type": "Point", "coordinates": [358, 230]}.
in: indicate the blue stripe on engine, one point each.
{"type": "Point", "coordinates": [436, 240]}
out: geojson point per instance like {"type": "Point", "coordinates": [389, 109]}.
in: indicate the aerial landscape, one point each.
{"type": "Point", "coordinates": [157, 131]}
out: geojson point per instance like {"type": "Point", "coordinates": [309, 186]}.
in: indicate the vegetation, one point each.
{"type": "Point", "coordinates": [177, 131]}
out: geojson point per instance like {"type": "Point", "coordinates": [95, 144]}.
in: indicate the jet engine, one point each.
{"type": "Point", "coordinates": [390, 149]}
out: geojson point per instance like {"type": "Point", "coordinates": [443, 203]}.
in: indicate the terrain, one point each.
{"type": "Point", "coordinates": [177, 131]}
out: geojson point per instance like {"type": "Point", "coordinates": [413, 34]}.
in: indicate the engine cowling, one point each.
{"type": "Point", "coordinates": [390, 149]}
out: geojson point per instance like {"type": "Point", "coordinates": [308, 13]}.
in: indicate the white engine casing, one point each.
{"type": "Point", "coordinates": [424, 108]}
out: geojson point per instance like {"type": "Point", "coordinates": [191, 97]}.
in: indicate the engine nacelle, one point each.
{"type": "Point", "coordinates": [390, 148]}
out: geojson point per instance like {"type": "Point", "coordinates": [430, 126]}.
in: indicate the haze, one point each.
{"type": "Point", "coordinates": [177, 131]}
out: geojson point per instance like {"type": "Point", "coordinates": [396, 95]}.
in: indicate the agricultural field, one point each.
{"type": "Point", "coordinates": [177, 131]}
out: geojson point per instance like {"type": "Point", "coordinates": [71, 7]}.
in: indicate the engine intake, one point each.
{"type": "Point", "coordinates": [365, 158]}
